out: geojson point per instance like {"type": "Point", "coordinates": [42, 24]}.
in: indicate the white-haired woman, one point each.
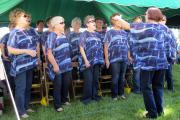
{"type": "Point", "coordinates": [73, 37]}
{"type": "Point", "coordinates": [59, 67]}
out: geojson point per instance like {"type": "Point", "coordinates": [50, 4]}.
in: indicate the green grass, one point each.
{"type": "Point", "coordinates": [130, 109]}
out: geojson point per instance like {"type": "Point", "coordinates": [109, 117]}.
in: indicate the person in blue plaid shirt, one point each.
{"type": "Point", "coordinates": [171, 60]}
{"type": "Point", "coordinates": [149, 43]}
{"type": "Point", "coordinates": [44, 37]}
{"type": "Point", "coordinates": [60, 66]}
{"type": "Point", "coordinates": [116, 55]}
{"type": "Point", "coordinates": [22, 53]}
{"type": "Point", "coordinates": [6, 60]}
{"type": "Point", "coordinates": [92, 57]}
{"type": "Point", "coordinates": [73, 38]}
{"type": "Point", "coordinates": [99, 28]}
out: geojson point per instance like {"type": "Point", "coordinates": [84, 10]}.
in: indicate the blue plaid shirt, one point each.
{"type": "Point", "coordinates": [102, 35]}
{"type": "Point", "coordinates": [44, 37]}
{"type": "Point", "coordinates": [22, 39]}
{"type": "Point", "coordinates": [61, 51]}
{"type": "Point", "coordinates": [34, 34]}
{"type": "Point", "coordinates": [149, 44]}
{"type": "Point", "coordinates": [117, 45]}
{"type": "Point", "coordinates": [74, 41]}
{"type": "Point", "coordinates": [170, 49]}
{"type": "Point", "coordinates": [92, 45]}
{"type": "Point", "coordinates": [4, 40]}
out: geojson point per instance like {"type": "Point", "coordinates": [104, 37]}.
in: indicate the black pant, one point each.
{"type": "Point", "coordinates": [61, 87]}
{"type": "Point", "coordinates": [118, 71]}
{"type": "Point", "coordinates": [91, 79]}
{"type": "Point", "coordinates": [152, 84]}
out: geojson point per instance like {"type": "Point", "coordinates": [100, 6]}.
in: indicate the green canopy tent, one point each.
{"type": "Point", "coordinates": [8, 4]}
{"type": "Point", "coordinates": [42, 9]}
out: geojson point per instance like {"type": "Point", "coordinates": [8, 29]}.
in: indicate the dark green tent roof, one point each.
{"type": "Point", "coordinates": [42, 9]}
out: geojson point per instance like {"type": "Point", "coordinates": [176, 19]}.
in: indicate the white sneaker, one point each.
{"type": "Point", "coordinates": [30, 110]}
{"type": "Point", "coordinates": [59, 109]}
{"type": "Point", "coordinates": [115, 99]}
{"type": "Point", "coordinates": [1, 112]}
{"type": "Point", "coordinates": [67, 103]}
{"type": "Point", "coordinates": [122, 97]}
{"type": "Point", "coordinates": [24, 115]}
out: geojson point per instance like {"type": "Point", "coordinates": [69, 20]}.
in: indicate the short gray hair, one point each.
{"type": "Point", "coordinates": [86, 19]}
{"type": "Point", "coordinates": [75, 20]}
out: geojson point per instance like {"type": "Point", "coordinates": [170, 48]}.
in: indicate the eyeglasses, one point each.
{"type": "Point", "coordinates": [91, 21]}
{"type": "Point", "coordinates": [61, 23]}
{"type": "Point", "coordinates": [25, 16]}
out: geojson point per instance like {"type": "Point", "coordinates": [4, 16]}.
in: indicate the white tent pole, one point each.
{"type": "Point", "coordinates": [9, 88]}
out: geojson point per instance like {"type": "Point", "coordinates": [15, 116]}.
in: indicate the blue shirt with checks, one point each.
{"type": "Point", "coordinates": [44, 37]}
{"type": "Point", "coordinates": [93, 48]}
{"type": "Point", "coordinates": [22, 39]}
{"type": "Point", "coordinates": [4, 40]}
{"type": "Point", "coordinates": [61, 51]}
{"type": "Point", "coordinates": [150, 45]}
{"type": "Point", "coordinates": [102, 35]}
{"type": "Point", "coordinates": [73, 38]}
{"type": "Point", "coordinates": [117, 41]}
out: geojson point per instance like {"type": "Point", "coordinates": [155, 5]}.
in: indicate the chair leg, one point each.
{"type": "Point", "coordinates": [46, 87]}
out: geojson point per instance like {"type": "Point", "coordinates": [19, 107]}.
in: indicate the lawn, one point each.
{"type": "Point", "coordinates": [130, 109]}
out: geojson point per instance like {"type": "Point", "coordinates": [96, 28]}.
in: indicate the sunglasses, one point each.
{"type": "Point", "coordinates": [91, 21]}
{"type": "Point", "coordinates": [25, 16]}
{"type": "Point", "coordinates": [61, 23]}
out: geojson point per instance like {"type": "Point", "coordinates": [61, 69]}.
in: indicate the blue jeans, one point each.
{"type": "Point", "coordinates": [61, 88]}
{"type": "Point", "coordinates": [136, 80]}
{"type": "Point", "coordinates": [90, 88]}
{"type": "Point", "coordinates": [152, 88]}
{"type": "Point", "coordinates": [118, 71]}
{"type": "Point", "coordinates": [168, 77]}
{"type": "Point", "coordinates": [23, 83]}
{"type": "Point", "coordinates": [178, 59]}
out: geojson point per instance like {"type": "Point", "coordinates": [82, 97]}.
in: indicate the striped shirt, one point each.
{"type": "Point", "coordinates": [44, 37]}
{"type": "Point", "coordinates": [117, 41]}
{"type": "Point", "coordinates": [149, 44]}
{"type": "Point", "coordinates": [102, 35]}
{"type": "Point", "coordinates": [4, 40]}
{"type": "Point", "coordinates": [92, 45]}
{"type": "Point", "coordinates": [22, 39]}
{"type": "Point", "coordinates": [74, 42]}
{"type": "Point", "coordinates": [61, 51]}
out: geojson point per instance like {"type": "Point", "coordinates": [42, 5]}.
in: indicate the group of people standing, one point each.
{"type": "Point", "coordinates": [147, 45]}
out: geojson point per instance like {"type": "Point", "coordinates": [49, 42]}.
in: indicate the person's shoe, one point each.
{"type": "Point", "coordinates": [161, 113]}
{"type": "Point", "coordinates": [30, 110]}
{"type": "Point", "coordinates": [171, 90]}
{"type": "Point", "coordinates": [97, 98]}
{"type": "Point", "coordinates": [122, 97]}
{"type": "Point", "coordinates": [150, 116]}
{"type": "Point", "coordinates": [24, 115]}
{"type": "Point", "coordinates": [59, 109]}
{"type": "Point", "coordinates": [1, 112]}
{"type": "Point", "coordinates": [67, 103]}
{"type": "Point", "coordinates": [115, 99]}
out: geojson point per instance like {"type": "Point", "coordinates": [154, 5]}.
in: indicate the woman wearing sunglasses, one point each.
{"type": "Point", "coordinates": [22, 50]}
{"type": "Point", "coordinates": [59, 67]}
{"type": "Point", "coordinates": [92, 57]}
